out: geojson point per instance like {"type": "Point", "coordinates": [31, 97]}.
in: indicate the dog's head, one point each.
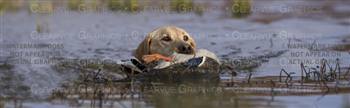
{"type": "Point", "coordinates": [165, 41]}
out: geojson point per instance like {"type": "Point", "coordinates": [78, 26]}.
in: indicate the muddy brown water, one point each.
{"type": "Point", "coordinates": [268, 91]}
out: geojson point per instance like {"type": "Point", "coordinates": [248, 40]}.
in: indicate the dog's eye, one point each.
{"type": "Point", "coordinates": [167, 38]}
{"type": "Point", "coordinates": [185, 38]}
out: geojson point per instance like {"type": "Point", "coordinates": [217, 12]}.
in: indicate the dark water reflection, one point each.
{"type": "Point", "coordinates": [206, 97]}
{"type": "Point", "coordinates": [171, 96]}
{"type": "Point", "coordinates": [179, 95]}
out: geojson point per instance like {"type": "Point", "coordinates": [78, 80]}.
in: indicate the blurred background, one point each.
{"type": "Point", "coordinates": [263, 36]}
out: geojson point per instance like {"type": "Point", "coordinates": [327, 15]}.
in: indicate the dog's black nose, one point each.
{"type": "Point", "coordinates": [185, 49]}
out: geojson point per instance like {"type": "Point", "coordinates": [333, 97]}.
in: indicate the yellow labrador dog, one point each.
{"type": "Point", "coordinates": [164, 42]}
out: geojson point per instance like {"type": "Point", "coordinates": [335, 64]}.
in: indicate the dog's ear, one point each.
{"type": "Point", "coordinates": [144, 47]}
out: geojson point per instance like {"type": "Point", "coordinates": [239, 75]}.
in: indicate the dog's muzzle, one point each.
{"type": "Point", "coordinates": [185, 49]}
